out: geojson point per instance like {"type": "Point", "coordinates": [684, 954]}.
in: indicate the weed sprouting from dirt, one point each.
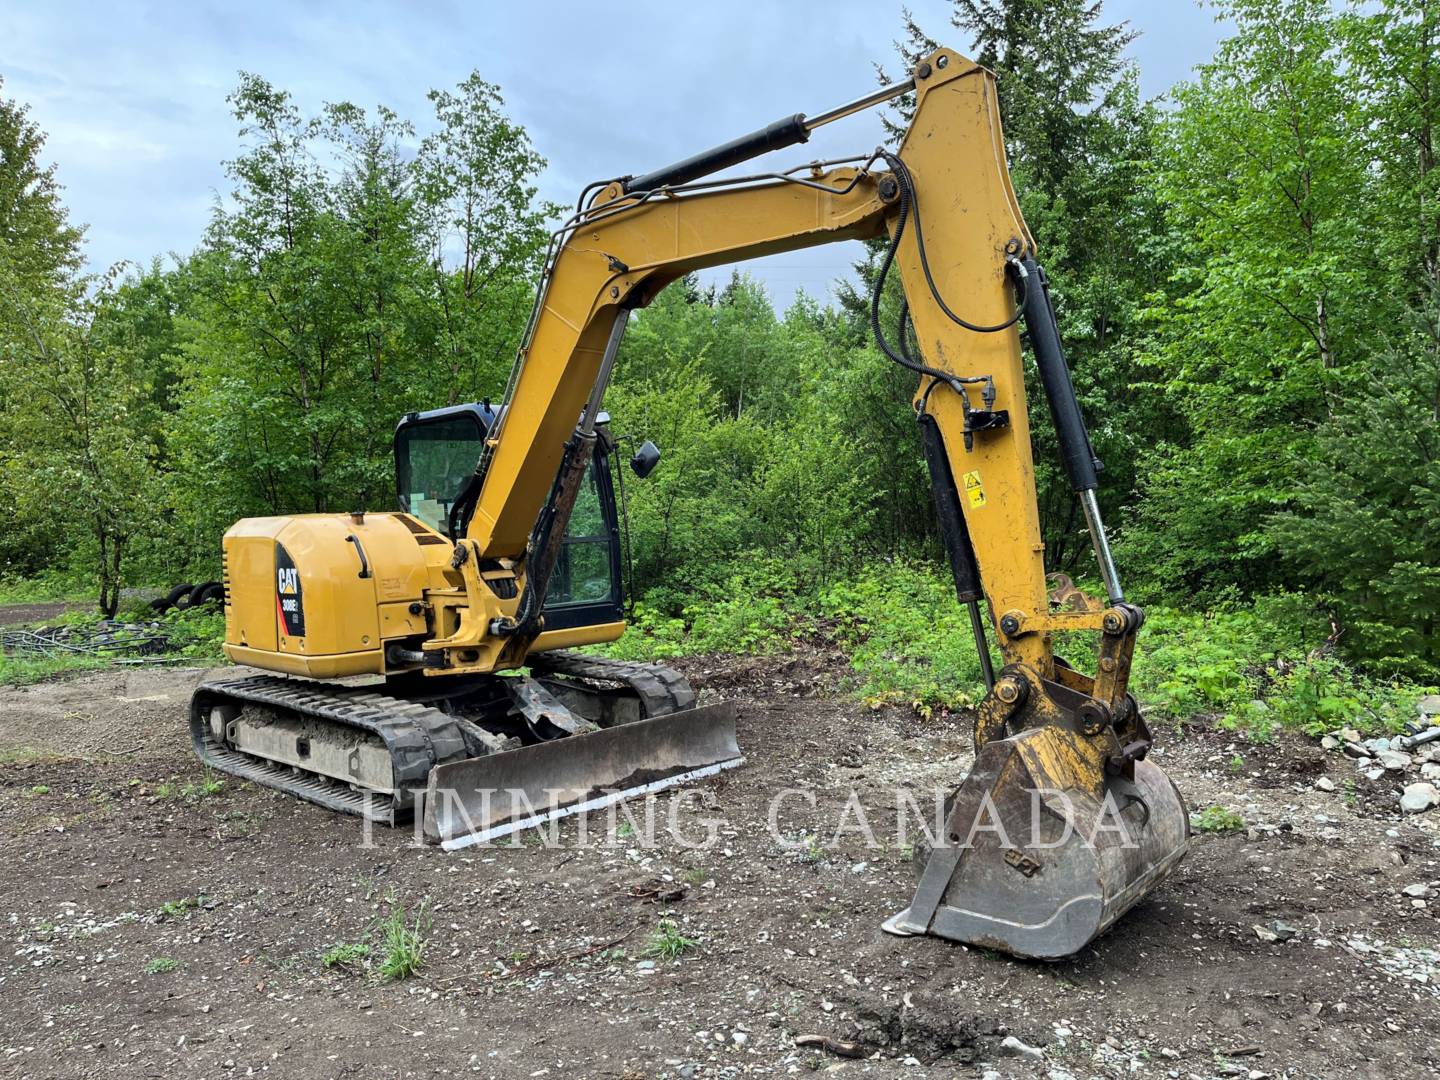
{"type": "Point", "coordinates": [160, 965]}
{"type": "Point", "coordinates": [350, 955]}
{"type": "Point", "coordinates": [1217, 819]}
{"type": "Point", "coordinates": [208, 786]}
{"type": "Point", "coordinates": [402, 945]}
{"type": "Point", "coordinates": [40, 789]}
{"type": "Point", "coordinates": [697, 877]}
{"type": "Point", "coordinates": [174, 909]}
{"type": "Point", "coordinates": [667, 943]}
{"type": "Point", "coordinates": [392, 949]}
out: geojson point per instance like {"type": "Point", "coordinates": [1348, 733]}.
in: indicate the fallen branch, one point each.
{"type": "Point", "coordinates": [838, 1047]}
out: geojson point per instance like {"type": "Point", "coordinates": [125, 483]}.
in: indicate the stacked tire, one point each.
{"type": "Point", "coordinates": [187, 596]}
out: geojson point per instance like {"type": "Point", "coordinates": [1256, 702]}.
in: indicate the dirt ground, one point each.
{"type": "Point", "coordinates": [26, 614]}
{"type": "Point", "coordinates": [153, 929]}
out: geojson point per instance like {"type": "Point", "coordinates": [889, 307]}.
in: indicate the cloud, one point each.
{"type": "Point", "coordinates": [133, 95]}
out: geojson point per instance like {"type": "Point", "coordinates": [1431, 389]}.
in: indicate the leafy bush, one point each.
{"type": "Point", "coordinates": [196, 633]}
{"type": "Point", "coordinates": [1217, 819]}
{"type": "Point", "coordinates": [1258, 668]}
{"type": "Point", "coordinates": [1320, 695]}
{"type": "Point", "coordinates": [756, 610]}
{"type": "Point", "coordinates": [909, 641]}
{"type": "Point", "coordinates": [1261, 669]}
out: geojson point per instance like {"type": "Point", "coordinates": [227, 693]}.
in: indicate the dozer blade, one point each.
{"type": "Point", "coordinates": [1041, 852]}
{"type": "Point", "coordinates": [484, 798]}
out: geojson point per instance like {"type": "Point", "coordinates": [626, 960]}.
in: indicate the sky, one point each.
{"type": "Point", "coordinates": [132, 95]}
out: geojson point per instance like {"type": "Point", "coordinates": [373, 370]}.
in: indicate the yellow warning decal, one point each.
{"type": "Point", "coordinates": [974, 490]}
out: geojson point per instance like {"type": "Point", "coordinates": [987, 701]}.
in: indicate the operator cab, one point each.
{"type": "Point", "coordinates": [435, 457]}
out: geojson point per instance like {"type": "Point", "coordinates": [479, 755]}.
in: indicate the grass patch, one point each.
{"type": "Point", "coordinates": [46, 589]}
{"type": "Point", "coordinates": [401, 947]}
{"type": "Point", "coordinates": [1258, 668]}
{"type": "Point", "coordinates": [350, 955]}
{"type": "Point", "coordinates": [667, 943]}
{"type": "Point", "coordinates": [161, 965]}
{"type": "Point", "coordinates": [192, 791]}
{"type": "Point", "coordinates": [26, 670]}
{"type": "Point", "coordinates": [174, 909]}
{"type": "Point", "coordinates": [908, 640]}
{"type": "Point", "coordinates": [735, 618]}
{"type": "Point", "coordinates": [393, 949]}
{"type": "Point", "coordinates": [1217, 819]}
{"type": "Point", "coordinates": [193, 635]}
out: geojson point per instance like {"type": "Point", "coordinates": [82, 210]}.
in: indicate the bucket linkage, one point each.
{"type": "Point", "coordinates": [1062, 824]}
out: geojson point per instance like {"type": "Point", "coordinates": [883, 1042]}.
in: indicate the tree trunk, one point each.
{"type": "Point", "coordinates": [111, 553]}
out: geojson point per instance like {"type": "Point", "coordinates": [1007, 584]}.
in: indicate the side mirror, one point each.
{"type": "Point", "coordinates": [645, 459]}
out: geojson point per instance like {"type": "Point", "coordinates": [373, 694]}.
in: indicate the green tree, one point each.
{"type": "Point", "coordinates": [487, 235]}
{"type": "Point", "coordinates": [78, 452]}
{"type": "Point", "coordinates": [1268, 185]}
{"type": "Point", "coordinates": [1359, 528]}
{"type": "Point", "coordinates": [37, 241]}
{"type": "Point", "coordinates": [77, 475]}
{"type": "Point", "coordinates": [1393, 73]}
{"type": "Point", "coordinates": [345, 282]}
{"type": "Point", "coordinates": [39, 252]}
{"type": "Point", "coordinates": [1063, 82]}
{"type": "Point", "coordinates": [1362, 531]}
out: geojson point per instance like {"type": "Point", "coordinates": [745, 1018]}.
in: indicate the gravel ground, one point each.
{"type": "Point", "coordinates": [156, 927]}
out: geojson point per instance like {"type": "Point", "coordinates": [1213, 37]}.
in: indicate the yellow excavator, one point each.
{"type": "Point", "coordinates": [464, 607]}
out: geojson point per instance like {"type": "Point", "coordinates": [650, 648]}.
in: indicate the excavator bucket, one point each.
{"type": "Point", "coordinates": [485, 798]}
{"type": "Point", "coordinates": [1041, 851]}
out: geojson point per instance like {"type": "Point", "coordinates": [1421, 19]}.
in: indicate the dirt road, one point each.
{"type": "Point", "coordinates": [156, 928]}
{"type": "Point", "coordinates": [26, 614]}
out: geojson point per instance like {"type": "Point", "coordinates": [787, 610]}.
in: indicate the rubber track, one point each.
{"type": "Point", "coordinates": [417, 737]}
{"type": "Point", "coordinates": [661, 690]}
